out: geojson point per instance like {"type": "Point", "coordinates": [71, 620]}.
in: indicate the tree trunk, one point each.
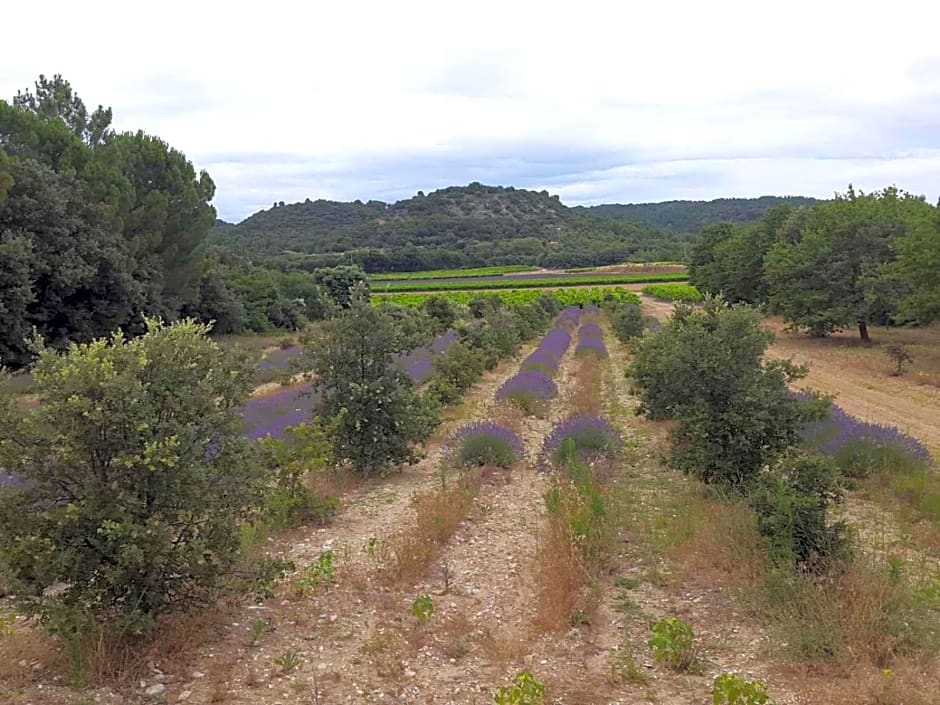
{"type": "Point", "coordinates": [863, 331]}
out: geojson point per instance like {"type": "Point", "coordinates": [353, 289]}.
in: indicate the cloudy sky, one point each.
{"type": "Point", "coordinates": [596, 101]}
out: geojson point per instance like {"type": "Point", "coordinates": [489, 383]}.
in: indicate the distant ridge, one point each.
{"type": "Point", "coordinates": [690, 216]}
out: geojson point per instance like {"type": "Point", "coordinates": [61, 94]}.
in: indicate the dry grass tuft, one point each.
{"type": "Point", "coordinates": [587, 396]}
{"type": "Point", "coordinates": [438, 513]}
{"type": "Point", "coordinates": [560, 577]}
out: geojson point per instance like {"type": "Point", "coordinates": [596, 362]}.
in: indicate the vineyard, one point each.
{"type": "Point", "coordinates": [528, 281]}
{"type": "Point", "coordinates": [674, 292]}
{"type": "Point", "coordinates": [516, 297]}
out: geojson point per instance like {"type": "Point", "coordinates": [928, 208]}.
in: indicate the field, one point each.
{"type": "Point", "coordinates": [514, 297]}
{"type": "Point", "coordinates": [519, 281]}
{"type": "Point", "coordinates": [452, 273]}
{"type": "Point", "coordinates": [443, 583]}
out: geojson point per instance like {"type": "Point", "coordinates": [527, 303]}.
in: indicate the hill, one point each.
{"type": "Point", "coordinates": [476, 226]}
{"type": "Point", "coordinates": [458, 226]}
{"type": "Point", "coordinates": [690, 216]}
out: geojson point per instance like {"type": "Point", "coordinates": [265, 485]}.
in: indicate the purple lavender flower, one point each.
{"type": "Point", "coordinates": [484, 443]}
{"type": "Point", "coordinates": [569, 317]}
{"type": "Point", "coordinates": [585, 434]}
{"type": "Point", "coordinates": [842, 433]}
{"type": "Point", "coordinates": [270, 414]}
{"type": "Point", "coordinates": [529, 389]}
{"type": "Point", "coordinates": [591, 340]}
{"type": "Point", "coordinates": [280, 359]}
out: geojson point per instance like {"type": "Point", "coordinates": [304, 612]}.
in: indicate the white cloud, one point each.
{"type": "Point", "coordinates": [374, 99]}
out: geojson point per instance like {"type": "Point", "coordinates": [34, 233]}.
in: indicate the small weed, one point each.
{"type": "Point", "coordinates": [525, 690]}
{"type": "Point", "coordinates": [627, 583]}
{"type": "Point", "coordinates": [422, 608]}
{"type": "Point", "coordinates": [372, 546]}
{"type": "Point", "coordinates": [7, 620]}
{"type": "Point", "coordinates": [321, 572]}
{"type": "Point", "coordinates": [579, 618]}
{"type": "Point", "coordinates": [288, 661]}
{"type": "Point", "coordinates": [731, 689]}
{"type": "Point", "coordinates": [623, 665]}
{"type": "Point", "coordinates": [672, 643]}
{"type": "Point", "coordinates": [256, 631]}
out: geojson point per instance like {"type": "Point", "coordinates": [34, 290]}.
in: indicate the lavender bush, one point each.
{"type": "Point", "coordinates": [860, 447]}
{"type": "Point", "coordinates": [591, 340]}
{"type": "Point", "coordinates": [528, 389]}
{"type": "Point", "coordinates": [484, 443]}
{"type": "Point", "coordinates": [569, 317]}
{"type": "Point", "coordinates": [589, 433]}
{"type": "Point", "coordinates": [546, 357]}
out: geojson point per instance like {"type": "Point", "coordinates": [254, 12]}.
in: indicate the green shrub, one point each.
{"type": "Point", "coordinates": [455, 371]}
{"type": "Point", "coordinates": [735, 413]}
{"type": "Point", "coordinates": [525, 690]}
{"type": "Point", "coordinates": [441, 311]}
{"type": "Point", "coordinates": [731, 689]}
{"type": "Point", "coordinates": [423, 608]}
{"type": "Point", "coordinates": [626, 320]}
{"type": "Point", "coordinates": [136, 478]}
{"type": "Point", "coordinates": [792, 505]}
{"type": "Point", "coordinates": [673, 644]}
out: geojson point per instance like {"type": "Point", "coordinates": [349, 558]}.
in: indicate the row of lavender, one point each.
{"type": "Point", "coordinates": [584, 437]}
{"type": "Point", "coordinates": [485, 443]}
{"type": "Point", "coordinates": [857, 444]}
{"type": "Point", "coordinates": [533, 387]}
{"type": "Point", "coordinates": [271, 414]}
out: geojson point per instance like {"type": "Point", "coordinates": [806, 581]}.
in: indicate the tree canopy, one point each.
{"type": "Point", "coordinates": [97, 228]}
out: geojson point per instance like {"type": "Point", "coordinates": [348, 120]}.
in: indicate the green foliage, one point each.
{"type": "Point", "coordinates": [690, 216]}
{"type": "Point", "coordinates": [294, 461]}
{"type": "Point", "coordinates": [731, 689]}
{"type": "Point", "coordinates": [320, 572]}
{"type": "Point", "coordinates": [135, 477]}
{"type": "Point", "coordinates": [479, 302]}
{"type": "Point", "coordinates": [672, 643]}
{"type": "Point", "coordinates": [899, 355]}
{"type": "Point", "coordinates": [422, 608]}
{"type": "Point", "coordinates": [532, 283]}
{"type": "Point", "coordinates": [455, 227]}
{"type": "Point", "coordinates": [525, 690]}
{"type": "Point", "coordinates": [442, 311]}
{"type": "Point", "coordinates": [374, 414]}
{"type": "Point", "coordinates": [825, 276]}
{"type": "Point", "coordinates": [97, 228]}
{"type": "Point", "coordinates": [626, 320]}
{"type": "Point", "coordinates": [449, 273]}
{"type": "Point", "coordinates": [674, 292]}
{"type": "Point", "coordinates": [792, 506]}
{"type": "Point", "coordinates": [7, 620]}
{"type": "Point", "coordinates": [455, 371]}
{"type": "Point", "coordinates": [734, 412]}
{"type": "Point", "coordinates": [288, 661]}
{"type": "Point", "coordinates": [486, 450]}
{"type": "Point", "coordinates": [915, 270]}
{"type": "Point", "coordinates": [338, 283]}
{"type": "Point", "coordinates": [257, 630]}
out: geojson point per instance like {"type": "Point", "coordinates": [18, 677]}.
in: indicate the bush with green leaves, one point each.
{"type": "Point", "coordinates": [731, 689]}
{"type": "Point", "coordinates": [792, 504]}
{"type": "Point", "coordinates": [422, 608]}
{"type": "Point", "coordinates": [734, 411]}
{"type": "Point", "coordinates": [441, 311]}
{"type": "Point", "coordinates": [294, 461]}
{"type": "Point", "coordinates": [134, 476]}
{"type": "Point", "coordinates": [373, 411]}
{"type": "Point", "coordinates": [626, 320]}
{"type": "Point", "coordinates": [673, 643]}
{"type": "Point", "coordinates": [455, 371]}
{"type": "Point", "coordinates": [525, 690]}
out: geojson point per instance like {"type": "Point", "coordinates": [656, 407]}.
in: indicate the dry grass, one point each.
{"type": "Point", "coordinates": [438, 513]}
{"type": "Point", "coordinates": [106, 657]}
{"type": "Point", "coordinates": [587, 396]}
{"type": "Point", "coordinates": [560, 576]}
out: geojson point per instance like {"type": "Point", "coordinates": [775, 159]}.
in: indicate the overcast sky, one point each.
{"type": "Point", "coordinates": [598, 102]}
